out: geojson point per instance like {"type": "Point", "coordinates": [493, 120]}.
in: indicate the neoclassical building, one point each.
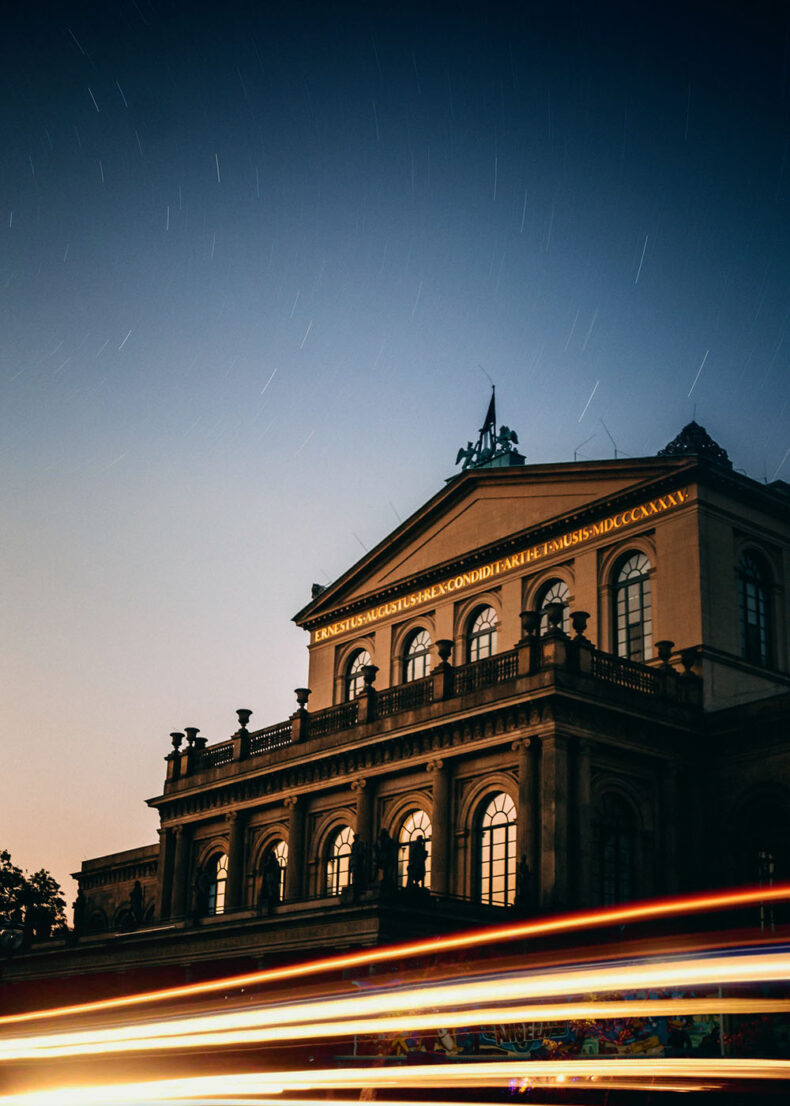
{"type": "Point", "coordinates": [570, 681]}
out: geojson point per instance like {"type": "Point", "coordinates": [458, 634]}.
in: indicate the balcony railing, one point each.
{"type": "Point", "coordinates": [485, 673]}
{"type": "Point", "coordinates": [216, 755]}
{"type": "Point", "coordinates": [465, 679]}
{"type": "Point", "coordinates": [334, 718]}
{"type": "Point", "coordinates": [404, 697]}
{"type": "Point", "coordinates": [274, 737]}
{"type": "Point", "coordinates": [625, 673]}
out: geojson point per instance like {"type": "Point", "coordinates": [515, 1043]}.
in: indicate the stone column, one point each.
{"type": "Point", "coordinates": [583, 843]}
{"type": "Point", "coordinates": [180, 897]}
{"type": "Point", "coordinates": [364, 823]}
{"type": "Point", "coordinates": [294, 885]}
{"type": "Point", "coordinates": [440, 826]}
{"type": "Point", "coordinates": [235, 893]}
{"type": "Point", "coordinates": [164, 874]}
{"type": "Point", "coordinates": [526, 821]}
{"type": "Point", "coordinates": [554, 823]}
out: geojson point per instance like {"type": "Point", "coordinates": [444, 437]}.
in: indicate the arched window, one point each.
{"type": "Point", "coordinates": [416, 656]}
{"type": "Point", "coordinates": [125, 921]}
{"type": "Point", "coordinates": [481, 641]}
{"type": "Point", "coordinates": [633, 610]}
{"type": "Point", "coordinates": [97, 922]}
{"type": "Point", "coordinates": [497, 870]}
{"type": "Point", "coordinates": [614, 834]}
{"type": "Point", "coordinates": [355, 677]}
{"type": "Point", "coordinates": [278, 852]}
{"type": "Point", "coordinates": [338, 858]}
{"type": "Point", "coordinates": [754, 609]}
{"type": "Point", "coordinates": [217, 872]}
{"type": "Point", "coordinates": [417, 824]}
{"type": "Point", "coordinates": [555, 591]}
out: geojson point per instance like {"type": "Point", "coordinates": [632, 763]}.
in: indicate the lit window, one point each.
{"type": "Point", "coordinates": [418, 824]}
{"type": "Point", "coordinates": [498, 851]}
{"type": "Point", "coordinates": [633, 611]}
{"type": "Point", "coordinates": [556, 591]}
{"type": "Point", "coordinates": [338, 860]}
{"type": "Point", "coordinates": [482, 635]}
{"type": "Point", "coordinates": [613, 852]}
{"type": "Point", "coordinates": [753, 609]}
{"type": "Point", "coordinates": [355, 677]}
{"type": "Point", "coordinates": [417, 656]}
{"type": "Point", "coordinates": [217, 882]}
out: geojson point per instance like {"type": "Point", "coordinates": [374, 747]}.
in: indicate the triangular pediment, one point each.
{"type": "Point", "coordinates": [479, 510]}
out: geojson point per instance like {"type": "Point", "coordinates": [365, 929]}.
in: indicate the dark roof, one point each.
{"type": "Point", "coordinates": [694, 439]}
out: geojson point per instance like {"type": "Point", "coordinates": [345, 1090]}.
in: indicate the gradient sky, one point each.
{"type": "Point", "coordinates": [256, 263]}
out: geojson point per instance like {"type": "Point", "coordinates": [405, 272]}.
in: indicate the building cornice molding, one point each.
{"type": "Point", "coordinates": [684, 472]}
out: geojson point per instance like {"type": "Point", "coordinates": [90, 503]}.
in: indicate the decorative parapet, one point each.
{"type": "Point", "coordinates": [578, 660]}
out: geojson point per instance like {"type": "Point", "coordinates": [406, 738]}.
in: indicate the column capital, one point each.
{"type": "Point", "coordinates": [290, 800]}
{"type": "Point", "coordinates": [522, 743]}
{"type": "Point", "coordinates": [359, 784]}
{"type": "Point", "coordinates": [585, 745]}
{"type": "Point", "coordinates": [232, 816]}
{"type": "Point", "coordinates": [435, 765]}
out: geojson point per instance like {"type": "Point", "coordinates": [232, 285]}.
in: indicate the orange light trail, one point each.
{"type": "Point", "coordinates": [454, 1003]}
{"type": "Point", "coordinates": [540, 1073]}
{"type": "Point", "coordinates": [594, 919]}
{"type": "Point", "coordinates": [406, 1023]}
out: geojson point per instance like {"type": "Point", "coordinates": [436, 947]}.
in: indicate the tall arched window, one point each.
{"type": "Point", "coordinates": [417, 824]}
{"type": "Point", "coordinates": [497, 871]}
{"type": "Point", "coordinates": [338, 859]}
{"type": "Point", "coordinates": [754, 609]}
{"type": "Point", "coordinates": [481, 641]}
{"type": "Point", "coordinates": [279, 852]}
{"type": "Point", "coordinates": [355, 677]}
{"type": "Point", "coordinates": [555, 591]}
{"type": "Point", "coordinates": [633, 609]}
{"type": "Point", "coordinates": [614, 835]}
{"type": "Point", "coordinates": [416, 656]}
{"type": "Point", "coordinates": [217, 872]}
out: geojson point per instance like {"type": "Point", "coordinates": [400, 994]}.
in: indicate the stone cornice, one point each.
{"type": "Point", "coordinates": [681, 475]}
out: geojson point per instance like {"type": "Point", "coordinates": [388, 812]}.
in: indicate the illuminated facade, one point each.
{"type": "Point", "coordinates": [554, 685]}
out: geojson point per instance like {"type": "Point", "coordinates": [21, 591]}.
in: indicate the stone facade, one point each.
{"type": "Point", "coordinates": [581, 668]}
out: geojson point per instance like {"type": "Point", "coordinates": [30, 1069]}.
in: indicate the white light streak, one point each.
{"type": "Point", "coordinates": [589, 401]}
{"type": "Point", "coordinates": [268, 382]}
{"type": "Point", "coordinates": [699, 370]}
{"type": "Point", "coordinates": [641, 259]}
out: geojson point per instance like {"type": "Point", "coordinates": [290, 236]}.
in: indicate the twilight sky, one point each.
{"type": "Point", "coordinates": [256, 263]}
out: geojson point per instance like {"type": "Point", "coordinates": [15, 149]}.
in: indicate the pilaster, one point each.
{"type": "Point", "coordinates": [554, 823]}
{"type": "Point", "coordinates": [294, 872]}
{"type": "Point", "coordinates": [440, 825]}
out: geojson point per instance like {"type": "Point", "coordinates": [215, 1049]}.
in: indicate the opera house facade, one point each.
{"type": "Point", "coordinates": [553, 686]}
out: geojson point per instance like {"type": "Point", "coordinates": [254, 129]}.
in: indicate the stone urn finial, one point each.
{"type": "Point", "coordinates": [302, 695]}
{"type": "Point", "coordinates": [688, 658]}
{"type": "Point", "coordinates": [191, 732]}
{"type": "Point", "coordinates": [176, 738]}
{"type": "Point", "coordinates": [369, 674]}
{"type": "Point", "coordinates": [244, 717]}
{"type": "Point", "coordinates": [579, 620]}
{"type": "Point", "coordinates": [530, 620]}
{"type": "Point", "coordinates": [554, 614]}
{"type": "Point", "coordinates": [444, 647]}
{"type": "Point", "coordinates": [664, 650]}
